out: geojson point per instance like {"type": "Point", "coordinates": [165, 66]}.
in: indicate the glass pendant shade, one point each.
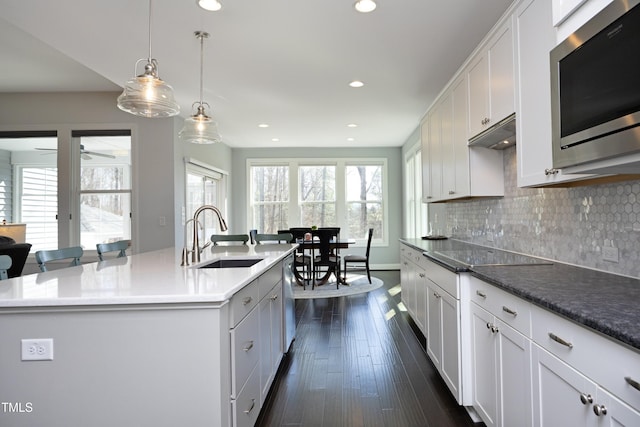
{"type": "Point", "coordinates": [200, 129]}
{"type": "Point", "coordinates": [365, 6]}
{"type": "Point", "coordinates": [147, 95]}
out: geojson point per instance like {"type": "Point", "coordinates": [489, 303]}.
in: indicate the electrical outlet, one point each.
{"type": "Point", "coordinates": [37, 349]}
{"type": "Point", "coordinates": [610, 253]}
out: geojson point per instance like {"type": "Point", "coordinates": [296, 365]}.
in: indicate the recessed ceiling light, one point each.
{"type": "Point", "coordinates": [352, 125]}
{"type": "Point", "coordinates": [263, 125]}
{"type": "Point", "coordinates": [210, 5]}
{"type": "Point", "coordinates": [365, 6]}
{"type": "Point", "coordinates": [351, 139]}
{"type": "Point", "coordinates": [275, 139]}
{"type": "Point", "coordinates": [356, 83]}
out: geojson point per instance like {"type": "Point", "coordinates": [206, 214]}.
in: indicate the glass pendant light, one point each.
{"type": "Point", "coordinates": [200, 128]}
{"type": "Point", "coordinates": [147, 95]}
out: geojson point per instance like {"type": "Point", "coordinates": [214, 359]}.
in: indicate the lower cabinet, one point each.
{"type": "Point", "coordinates": [270, 338]}
{"type": "Point", "coordinates": [501, 371]}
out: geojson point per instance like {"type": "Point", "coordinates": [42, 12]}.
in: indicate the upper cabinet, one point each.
{"type": "Point", "coordinates": [451, 170]}
{"type": "Point", "coordinates": [491, 81]}
{"type": "Point", "coordinates": [535, 37]}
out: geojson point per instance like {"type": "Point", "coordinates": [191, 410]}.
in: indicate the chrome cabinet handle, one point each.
{"type": "Point", "coordinates": [560, 340]}
{"type": "Point", "coordinates": [510, 311]}
{"type": "Point", "coordinates": [421, 275]}
{"type": "Point", "coordinates": [551, 171]}
{"type": "Point", "coordinates": [452, 192]}
{"type": "Point", "coordinates": [481, 294]}
{"type": "Point", "coordinates": [586, 399]}
{"type": "Point", "coordinates": [599, 410]}
{"type": "Point", "coordinates": [247, 300]}
{"type": "Point", "coordinates": [437, 295]}
{"type": "Point", "coordinates": [253, 403]}
{"type": "Point", "coordinates": [249, 347]}
{"type": "Point", "coordinates": [274, 297]}
{"type": "Point", "coordinates": [493, 328]}
{"type": "Point", "coordinates": [633, 383]}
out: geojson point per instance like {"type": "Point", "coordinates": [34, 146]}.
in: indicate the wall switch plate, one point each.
{"type": "Point", "coordinates": [37, 349]}
{"type": "Point", "coordinates": [610, 253]}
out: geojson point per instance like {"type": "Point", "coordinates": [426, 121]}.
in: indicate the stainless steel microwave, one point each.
{"type": "Point", "coordinates": [595, 88]}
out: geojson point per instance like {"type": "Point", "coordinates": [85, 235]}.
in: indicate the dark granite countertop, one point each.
{"type": "Point", "coordinates": [607, 303]}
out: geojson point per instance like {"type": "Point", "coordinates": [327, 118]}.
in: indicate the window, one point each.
{"type": "Point", "coordinates": [415, 222]}
{"type": "Point", "coordinates": [84, 176]}
{"type": "Point", "coordinates": [269, 189]}
{"type": "Point", "coordinates": [105, 188]}
{"type": "Point", "coordinates": [204, 186]}
{"type": "Point", "coordinates": [345, 193]}
{"type": "Point", "coordinates": [364, 199]}
{"type": "Point", "coordinates": [317, 195]}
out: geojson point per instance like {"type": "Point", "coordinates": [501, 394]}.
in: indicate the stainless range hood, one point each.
{"type": "Point", "coordinates": [499, 136]}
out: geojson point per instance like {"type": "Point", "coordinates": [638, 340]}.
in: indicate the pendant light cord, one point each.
{"type": "Point", "coordinates": [150, 31]}
{"type": "Point", "coordinates": [202, 36]}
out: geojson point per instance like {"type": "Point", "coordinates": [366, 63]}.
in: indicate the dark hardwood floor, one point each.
{"type": "Point", "coordinates": [357, 362]}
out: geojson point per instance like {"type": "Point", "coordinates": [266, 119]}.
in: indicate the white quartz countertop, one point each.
{"type": "Point", "coordinates": [147, 278]}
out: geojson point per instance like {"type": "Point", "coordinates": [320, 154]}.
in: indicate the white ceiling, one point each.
{"type": "Point", "coordinates": [282, 62]}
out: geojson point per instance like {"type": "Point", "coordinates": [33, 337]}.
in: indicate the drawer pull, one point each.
{"type": "Point", "coordinates": [599, 410]}
{"type": "Point", "coordinates": [508, 310]}
{"type": "Point", "coordinates": [247, 300]}
{"type": "Point", "coordinates": [560, 340]}
{"type": "Point", "coordinates": [253, 403]}
{"type": "Point", "coordinates": [481, 294]}
{"type": "Point", "coordinates": [586, 399]}
{"type": "Point", "coordinates": [249, 347]}
{"type": "Point", "coordinates": [633, 383]}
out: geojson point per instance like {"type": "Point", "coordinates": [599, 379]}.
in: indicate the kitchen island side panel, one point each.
{"type": "Point", "coordinates": [160, 365]}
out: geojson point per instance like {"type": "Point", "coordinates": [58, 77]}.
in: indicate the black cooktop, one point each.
{"type": "Point", "coordinates": [483, 256]}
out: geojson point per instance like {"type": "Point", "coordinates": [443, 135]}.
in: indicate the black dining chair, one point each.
{"type": "Point", "coordinates": [359, 259]}
{"type": "Point", "coordinates": [326, 261]}
{"type": "Point", "coordinates": [302, 260]}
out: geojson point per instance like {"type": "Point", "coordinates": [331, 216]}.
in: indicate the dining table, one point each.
{"type": "Point", "coordinates": [313, 244]}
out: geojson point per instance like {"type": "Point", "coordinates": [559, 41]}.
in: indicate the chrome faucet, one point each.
{"type": "Point", "coordinates": [185, 250]}
{"type": "Point", "coordinates": [196, 249]}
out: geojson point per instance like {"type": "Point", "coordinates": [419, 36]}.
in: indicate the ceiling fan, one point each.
{"type": "Point", "coordinates": [84, 154]}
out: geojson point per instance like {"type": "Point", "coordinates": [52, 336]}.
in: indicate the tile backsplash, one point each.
{"type": "Point", "coordinates": [571, 225]}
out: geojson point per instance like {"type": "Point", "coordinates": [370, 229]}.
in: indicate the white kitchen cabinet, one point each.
{"type": "Point", "coordinates": [452, 170]}
{"type": "Point", "coordinates": [443, 325]}
{"type": "Point", "coordinates": [565, 397]}
{"type": "Point", "coordinates": [500, 356]}
{"type": "Point", "coordinates": [412, 277]}
{"type": "Point", "coordinates": [491, 81]}
{"type": "Point", "coordinates": [271, 312]}
{"type": "Point", "coordinates": [535, 37]}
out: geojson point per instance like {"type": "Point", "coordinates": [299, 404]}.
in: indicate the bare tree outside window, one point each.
{"type": "Point", "coordinates": [318, 196]}
{"type": "Point", "coordinates": [270, 198]}
{"type": "Point", "coordinates": [364, 200]}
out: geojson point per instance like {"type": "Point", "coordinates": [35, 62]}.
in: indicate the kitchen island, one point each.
{"type": "Point", "coordinates": [140, 340]}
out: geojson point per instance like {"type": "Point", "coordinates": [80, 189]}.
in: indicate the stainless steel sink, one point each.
{"type": "Point", "coordinates": [232, 263]}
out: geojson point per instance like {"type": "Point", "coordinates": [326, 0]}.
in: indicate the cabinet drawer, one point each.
{"type": "Point", "coordinates": [245, 350]}
{"type": "Point", "coordinates": [268, 280]}
{"type": "Point", "coordinates": [243, 302]}
{"type": "Point", "coordinates": [442, 277]}
{"type": "Point", "coordinates": [246, 407]}
{"type": "Point", "coordinates": [507, 307]}
{"type": "Point", "coordinates": [598, 357]}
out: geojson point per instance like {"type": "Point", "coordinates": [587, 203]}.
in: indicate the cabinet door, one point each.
{"type": "Point", "coordinates": [435, 150]}
{"type": "Point", "coordinates": [434, 325]}
{"type": "Point", "coordinates": [613, 413]}
{"type": "Point", "coordinates": [501, 80]}
{"type": "Point", "coordinates": [483, 365]}
{"type": "Point", "coordinates": [514, 377]}
{"type": "Point", "coordinates": [447, 159]}
{"type": "Point", "coordinates": [535, 38]}
{"type": "Point", "coordinates": [478, 79]}
{"type": "Point", "coordinates": [421, 300]}
{"type": "Point", "coordinates": [461, 184]}
{"type": "Point", "coordinates": [561, 395]}
{"type": "Point", "coordinates": [450, 364]}
{"type": "Point", "coordinates": [426, 159]}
